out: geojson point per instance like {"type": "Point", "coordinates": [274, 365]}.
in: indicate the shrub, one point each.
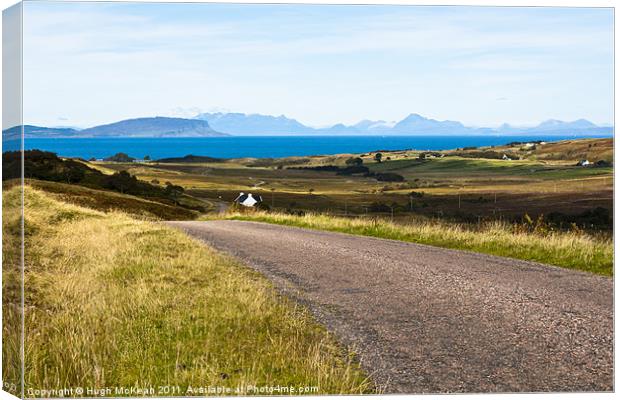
{"type": "Point", "coordinates": [354, 161]}
{"type": "Point", "coordinates": [379, 207]}
{"type": "Point", "coordinates": [355, 169]}
{"type": "Point", "coordinates": [389, 177]}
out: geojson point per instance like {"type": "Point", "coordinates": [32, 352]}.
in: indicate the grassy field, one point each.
{"type": "Point", "coordinates": [11, 289]}
{"type": "Point", "coordinates": [105, 200]}
{"type": "Point", "coordinates": [573, 250]}
{"type": "Point", "coordinates": [457, 184]}
{"type": "Point", "coordinates": [116, 301]}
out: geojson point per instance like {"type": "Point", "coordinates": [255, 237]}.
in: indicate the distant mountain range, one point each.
{"type": "Point", "coordinates": [225, 124]}
{"type": "Point", "coordinates": [413, 124]}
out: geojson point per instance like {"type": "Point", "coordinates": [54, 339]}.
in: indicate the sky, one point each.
{"type": "Point", "coordinates": [92, 63]}
{"type": "Point", "coordinates": [11, 67]}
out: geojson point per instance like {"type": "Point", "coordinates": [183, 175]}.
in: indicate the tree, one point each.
{"type": "Point", "coordinates": [122, 181]}
{"type": "Point", "coordinates": [74, 175]}
{"type": "Point", "coordinates": [311, 190]}
{"type": "Point", "coordinates": [378, 157]}
{"type": "Point", "coordinates": [147, 158]}
{"type": "Point", "coordinates": [174, 191]}
{"type": "Point", "coordinates": [354, 161]}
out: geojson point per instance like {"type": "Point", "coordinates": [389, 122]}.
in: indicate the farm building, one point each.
{"type": "Point", "coordinates": [248, 200]}
{"type": "Point", "coordinates": [583, 163]}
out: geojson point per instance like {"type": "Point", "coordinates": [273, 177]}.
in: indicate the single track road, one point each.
{"type": "Point", "coordinates": [430, 320]}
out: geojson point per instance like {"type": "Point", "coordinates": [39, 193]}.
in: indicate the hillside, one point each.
{"type": "Point", "coordinates": [46, 166]}
{"type": "Point", "coordinates": [107, 201]}
{"type": "Point", "coordinates": [152, 303]}
{"type": "Point", "coordinates": [31, 131]}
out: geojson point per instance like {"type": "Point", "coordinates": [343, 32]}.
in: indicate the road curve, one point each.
{"type": "Point", "coordinates": [429, 320]}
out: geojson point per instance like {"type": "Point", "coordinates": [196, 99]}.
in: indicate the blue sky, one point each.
{"type": "Point", "coordinates": [87, 64]}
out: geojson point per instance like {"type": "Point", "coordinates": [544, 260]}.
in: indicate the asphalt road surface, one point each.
{"type": "Point", "coordinates": [429, 320]}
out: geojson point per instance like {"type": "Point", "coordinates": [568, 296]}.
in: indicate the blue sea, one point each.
{"type": "Point", "coordinates": [259, 146]}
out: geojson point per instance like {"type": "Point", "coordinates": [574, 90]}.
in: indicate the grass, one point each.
{"type": "Point", "coordinates": [572, 250]}
{"type": "Point", "coordinates": [11, 289]}
{"type": "Point", "coordinates": [106, 200]}
{"type": "Point", "coordinates": [115, 301]}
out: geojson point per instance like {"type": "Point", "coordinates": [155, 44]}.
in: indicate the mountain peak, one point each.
{"type": "Point", "coordinates": [554, 124]}
{"type": "Point", "coordinates": [414, 117]}
{"type": "Point", "coordinates": [254, 124]}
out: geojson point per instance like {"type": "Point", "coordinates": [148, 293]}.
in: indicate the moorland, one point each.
{"type": "Point", "coordinates": [465, 185]}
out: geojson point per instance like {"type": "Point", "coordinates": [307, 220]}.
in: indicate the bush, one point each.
{"type": "Point", "coordinates": [489, 154]}
{"type": "Point", "coordinates": [389, 177]}
{"type": "Point", "coordinates": [354, 161]}
{"type": "Point", "coordinates": [330, 168]}
{"type": "Point", "coordinates": [379, 207]}
{"type": "Point", "coordinates": [602, 163]}
{"type": "Point", "coordinates": [599, 217]}
{"type": "Point", "coordinates": [356, 169]}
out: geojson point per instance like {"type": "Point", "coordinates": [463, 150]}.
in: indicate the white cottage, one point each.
{"type": "Point", "coordinates": [248, 200]}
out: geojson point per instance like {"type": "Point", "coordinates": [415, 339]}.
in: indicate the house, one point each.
{"type": "Point", "coordinates": [248, 200]}
{"type": "Point", "coordinates": [505, 157]}
{"type": "Point", "coordinates": [583, 163]}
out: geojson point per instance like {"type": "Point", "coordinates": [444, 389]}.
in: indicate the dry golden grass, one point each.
{"type": "Point", "coordinates": [112, 301]}
{"type": "Point", "coordinates": [11, 289]}
{"type": "Point", "coordinates": [565, 249]}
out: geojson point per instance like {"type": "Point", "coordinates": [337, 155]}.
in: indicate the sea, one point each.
{"type": "Point", "coordinates": [259, 146]}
